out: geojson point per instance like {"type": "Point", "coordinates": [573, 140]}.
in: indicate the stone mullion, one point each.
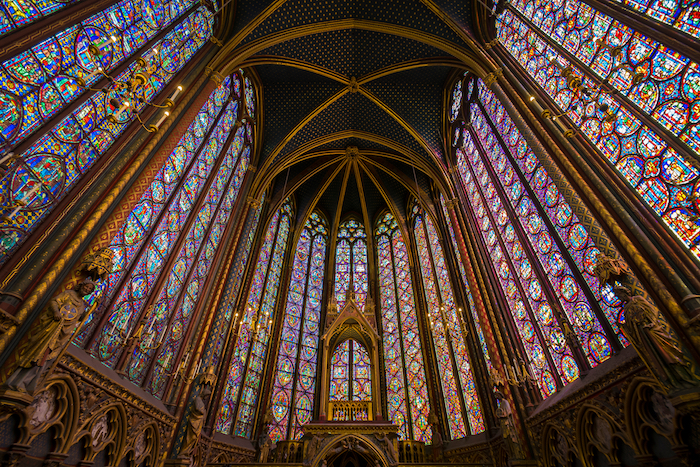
{"type": "Point", "coordinates": [516, 280]}
{"type": "Point", "coordinates": [673, 141]}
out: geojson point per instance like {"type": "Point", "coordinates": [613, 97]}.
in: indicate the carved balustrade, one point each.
{"type": "Point", "coordinates": [350, 411]}
{"type": "Point", "coordinates": [289, 452]}
{"type": "Point", "coordinates": [411, 452]}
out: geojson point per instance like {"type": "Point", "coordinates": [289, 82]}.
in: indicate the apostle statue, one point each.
{"type": "Point", "coordinates": [195, 422]}
{"type": "Point", "coordinates": [508, 431]}
{"type": "Point", "coordinates": [652, 337]}
{"type": "Point", "coordinates": [47, 337]}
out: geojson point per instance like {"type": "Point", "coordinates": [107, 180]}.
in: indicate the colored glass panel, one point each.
{"type": "Point", "coordinates": [18, 13]}
{"type": "Point", "coordinates": [522, 305]}
{"type": "Point", "coordinates": [131, 236]}
{"type": "Point", "coordinates": [467, 290]}
{"type": "Point", "coordinates": [136, 289]}
{"type": "Point", "coordinates": [340, 373]}
{"type": "Point", "coordinates": [36, 85]}
{"type": "Point", "coordinates": [570, 297]}
{"type": "Point", "coordinates": [635, 151]}
{"type": "Point", "coordinates": [295, 380]}
{"type": "Point", "coordinates": [579, 245]}
{"type": "Point", "coordinates": [453, 362]}
{"type": "Point", "coordinates": [403, 360]}
{"type": "Point", "coordinates": [243, 379]}
{"type": "Point", "coordinates": [351, 262]}
{"type": "Point", "coordinates": [682, 15]}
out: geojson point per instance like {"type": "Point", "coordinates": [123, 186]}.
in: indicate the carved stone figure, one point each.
{"type": "Point", "coordinates": [654, 341]}
{"type": "Point", "coordinates": [43, 408]}
{"type": "Point", "coordinates": [264, 440]}
{"type": "Point", "coordinates": [388, 447]}
{"type": "Point", "coordinates": [48, 336]}
{"type": "Point", "coordinates": [437, 444]}
{"type": "Point", "coordinates": [312, 448]}
{"type": "Point", "coordinates": [195, 421]}
{"type": "Point", "coordinates": [608, 269]}
{"type": "Point", "coordinates": [505, 417]}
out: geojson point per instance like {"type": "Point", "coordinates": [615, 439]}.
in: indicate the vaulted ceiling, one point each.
{"type": "Point", "coordinates": [352, 97]}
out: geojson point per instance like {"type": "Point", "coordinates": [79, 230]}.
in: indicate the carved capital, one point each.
{"type": "Point", "coordinates": [493, 77]}
{"type": "Point", "coordinates": [492, 44]}
{"type": "Point", "coordinates": [254, 203]}
{"type": "Point", "coordinates": [214, 75]}
{"type": "Point", "coordinates": [609, 269]}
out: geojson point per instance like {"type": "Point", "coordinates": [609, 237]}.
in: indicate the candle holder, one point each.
{"type": "Point", "coordinates": [132, 341]}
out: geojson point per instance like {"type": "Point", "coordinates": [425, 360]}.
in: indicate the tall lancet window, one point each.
{"type": "Point", "coordinates": [543, 255]}
{"type": "Point", "coordinates": [351, 378]}
{"type": "Point", "coordinates": [154, 290]}
{"type": "Point", "coordinates": [351, 262]}
{"type": "Point", "coordinates": [457, 381]}
{"type": "Point", "coordinates": [153, 38]}
{"type": "Point", "coordinates": [407, 391]}
{"type": "Point", "coordinates": [648, 130]}
{"type": "Point", "coordinates": [467, 290]}
{"type": "Point", "coordinates": [244, 376]}
{"type": "Point", "coordinates": [295, 381]}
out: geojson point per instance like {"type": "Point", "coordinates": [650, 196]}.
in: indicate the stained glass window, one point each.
{"type": "Point", "coordinates": [129, 239]}
{"type": "Point", "coordinates": [351, 372]}
{"type": "Point", "coordinates": [528, 226]}
{"type": "Point", "coordinates": [467, 291]}
{"type": "Point", "coordinates": [682, 15]}
{"type": "Point", "coordinates": [659, 174]}
{"type": "Point", "coordinates": [244, 376]}
{"type": "Point", "coordinates": [18, 13]}
{"type": "Point", "coordinates": [40, 82]}
{"type": "Point", "coordinates": [407, 390]}
{"type": "Point", "coordinates": [156, 226]}
{"type": "Point", "coordinates": [351, 262]}
{"type": "Point", "coordinates": [446, 325]}
{"type": "Point", "coordinates": [295, 381]}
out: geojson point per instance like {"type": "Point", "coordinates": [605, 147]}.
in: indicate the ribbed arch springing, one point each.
{"type": "Point", "coordinates": [40, 82]}
{"type": "Point", "coordinates": [648, 77]}
{"type": "Point", "coordinates": [237, 409]}
{"type": "Point", "coordinates": [457, 379]}
{"type": "Point", "coordinates": [407, 390]}
{"type": "Point", "coordinates": [351, 262]}
{"type": "Point", "coordinates": [295, 380]}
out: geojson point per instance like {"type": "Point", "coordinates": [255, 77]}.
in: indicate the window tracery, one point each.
{"type": "Point", "coordinates": [407, 389]}
{"type": "Point", "coordinates": [295, 380]}
{"type": "Point", "coordinates": [351, 262]}
{"type": "Point", "coordinates": [457, 380]}
{"type": "Point", "coordinates": [238, 403]}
